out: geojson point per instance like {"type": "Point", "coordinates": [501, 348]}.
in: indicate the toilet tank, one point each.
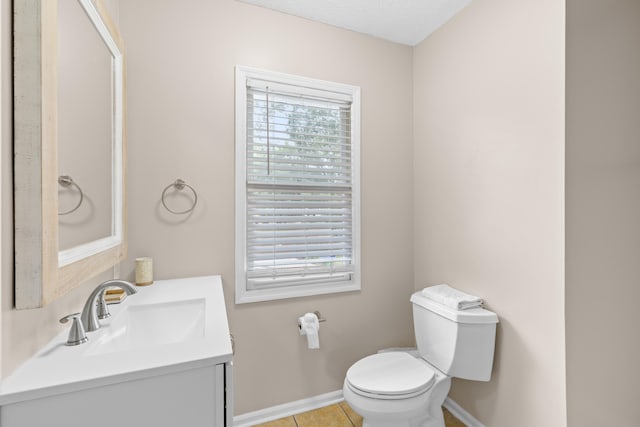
{"type": "Point", "coordinates": [459, 343]}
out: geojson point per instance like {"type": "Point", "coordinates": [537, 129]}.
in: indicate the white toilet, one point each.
{"type": "Point", "coordinates": [398, 389]}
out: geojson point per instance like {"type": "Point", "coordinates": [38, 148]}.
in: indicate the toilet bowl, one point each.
{"type": "Point", "coordinates": [396, 389]}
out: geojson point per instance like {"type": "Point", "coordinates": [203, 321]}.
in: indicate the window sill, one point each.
{"type": "Point", "coordinates": [244, 296]}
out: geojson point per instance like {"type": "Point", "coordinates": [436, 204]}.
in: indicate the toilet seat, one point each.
{"type": "Point", "coordinates": [391, 375]}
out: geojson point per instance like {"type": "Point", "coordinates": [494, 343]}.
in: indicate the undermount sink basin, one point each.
{"type": "Point", "coordinates": [151, 325]}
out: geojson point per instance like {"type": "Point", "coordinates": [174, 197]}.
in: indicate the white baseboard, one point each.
{"type": "Point", "coordinates": [292, 408]}
{"type": "Point", "coordinates": [459, 412]}
{"type": "Point", "coordinates": [287, 409]}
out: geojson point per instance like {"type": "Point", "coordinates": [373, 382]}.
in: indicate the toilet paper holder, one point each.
{"type": "Point", "coordinates": [317, 313]}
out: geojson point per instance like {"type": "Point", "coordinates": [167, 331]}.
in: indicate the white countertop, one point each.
{"type": "Point", "coordinates": [58, 368]}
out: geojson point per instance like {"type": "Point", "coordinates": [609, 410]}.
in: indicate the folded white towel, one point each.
{"type": "Point", "coordinates": [453, 298]}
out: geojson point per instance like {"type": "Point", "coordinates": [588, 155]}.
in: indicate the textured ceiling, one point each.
{"type": "Point", "coordinates": [401, 21]}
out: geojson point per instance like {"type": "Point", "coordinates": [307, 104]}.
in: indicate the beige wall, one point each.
{"type": "Point", "coordinates": [603, 212]}
{"type": "Point", "coordinates": [488, 169]}
{"type": "Point", "coordinates": [181, 125]}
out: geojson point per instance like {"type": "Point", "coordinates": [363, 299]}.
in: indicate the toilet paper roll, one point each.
{"type": "Point", "coordinates": [310, 326]}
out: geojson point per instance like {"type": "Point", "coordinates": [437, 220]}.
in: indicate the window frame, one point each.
{"type": "Point", "coordinates": [242, 293]}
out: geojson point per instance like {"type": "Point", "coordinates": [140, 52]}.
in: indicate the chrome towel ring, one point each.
{"type": "Point", "coordinates": [66, 181]}
{"type": "Point", "coordinates": [179, 185]}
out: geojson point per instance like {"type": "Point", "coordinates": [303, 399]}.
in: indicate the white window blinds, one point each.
{"type": "Point", "coordinates": [299, 186]}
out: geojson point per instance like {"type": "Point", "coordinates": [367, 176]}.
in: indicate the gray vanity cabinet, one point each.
{"type": "Point", "coordinates": [193, 397]}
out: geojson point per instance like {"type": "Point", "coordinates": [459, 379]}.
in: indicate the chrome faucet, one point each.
{"type": "Point", "coordinates": [96, 308]}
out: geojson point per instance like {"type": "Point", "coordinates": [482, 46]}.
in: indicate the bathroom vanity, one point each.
{"type": "Point", "coordinates": [164, 358]}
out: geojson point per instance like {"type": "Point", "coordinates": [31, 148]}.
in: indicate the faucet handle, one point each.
{"type": "Point", "coordinates": [103, 309]}
{"type": "Point", "coordinates": [77, 334]}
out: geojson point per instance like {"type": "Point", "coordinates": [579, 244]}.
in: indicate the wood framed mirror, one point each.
{"type": "Point", "coordinates": [52, 119]}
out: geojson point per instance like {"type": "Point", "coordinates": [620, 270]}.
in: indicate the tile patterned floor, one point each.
{"type": "Point", "coordinates": [338, 415]}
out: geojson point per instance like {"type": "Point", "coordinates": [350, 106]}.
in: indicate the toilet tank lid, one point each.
{"type": "Point", "coordinates": [473, 315]}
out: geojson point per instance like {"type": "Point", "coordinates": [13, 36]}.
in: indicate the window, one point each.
{"type": "Point", "coordinates": [297, 186]}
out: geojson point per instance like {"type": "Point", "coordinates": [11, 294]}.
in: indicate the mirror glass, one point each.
{"type": "Point", "coordinates": [89, 69]}
{"type": "Point", "coordinates": [84, 129]}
